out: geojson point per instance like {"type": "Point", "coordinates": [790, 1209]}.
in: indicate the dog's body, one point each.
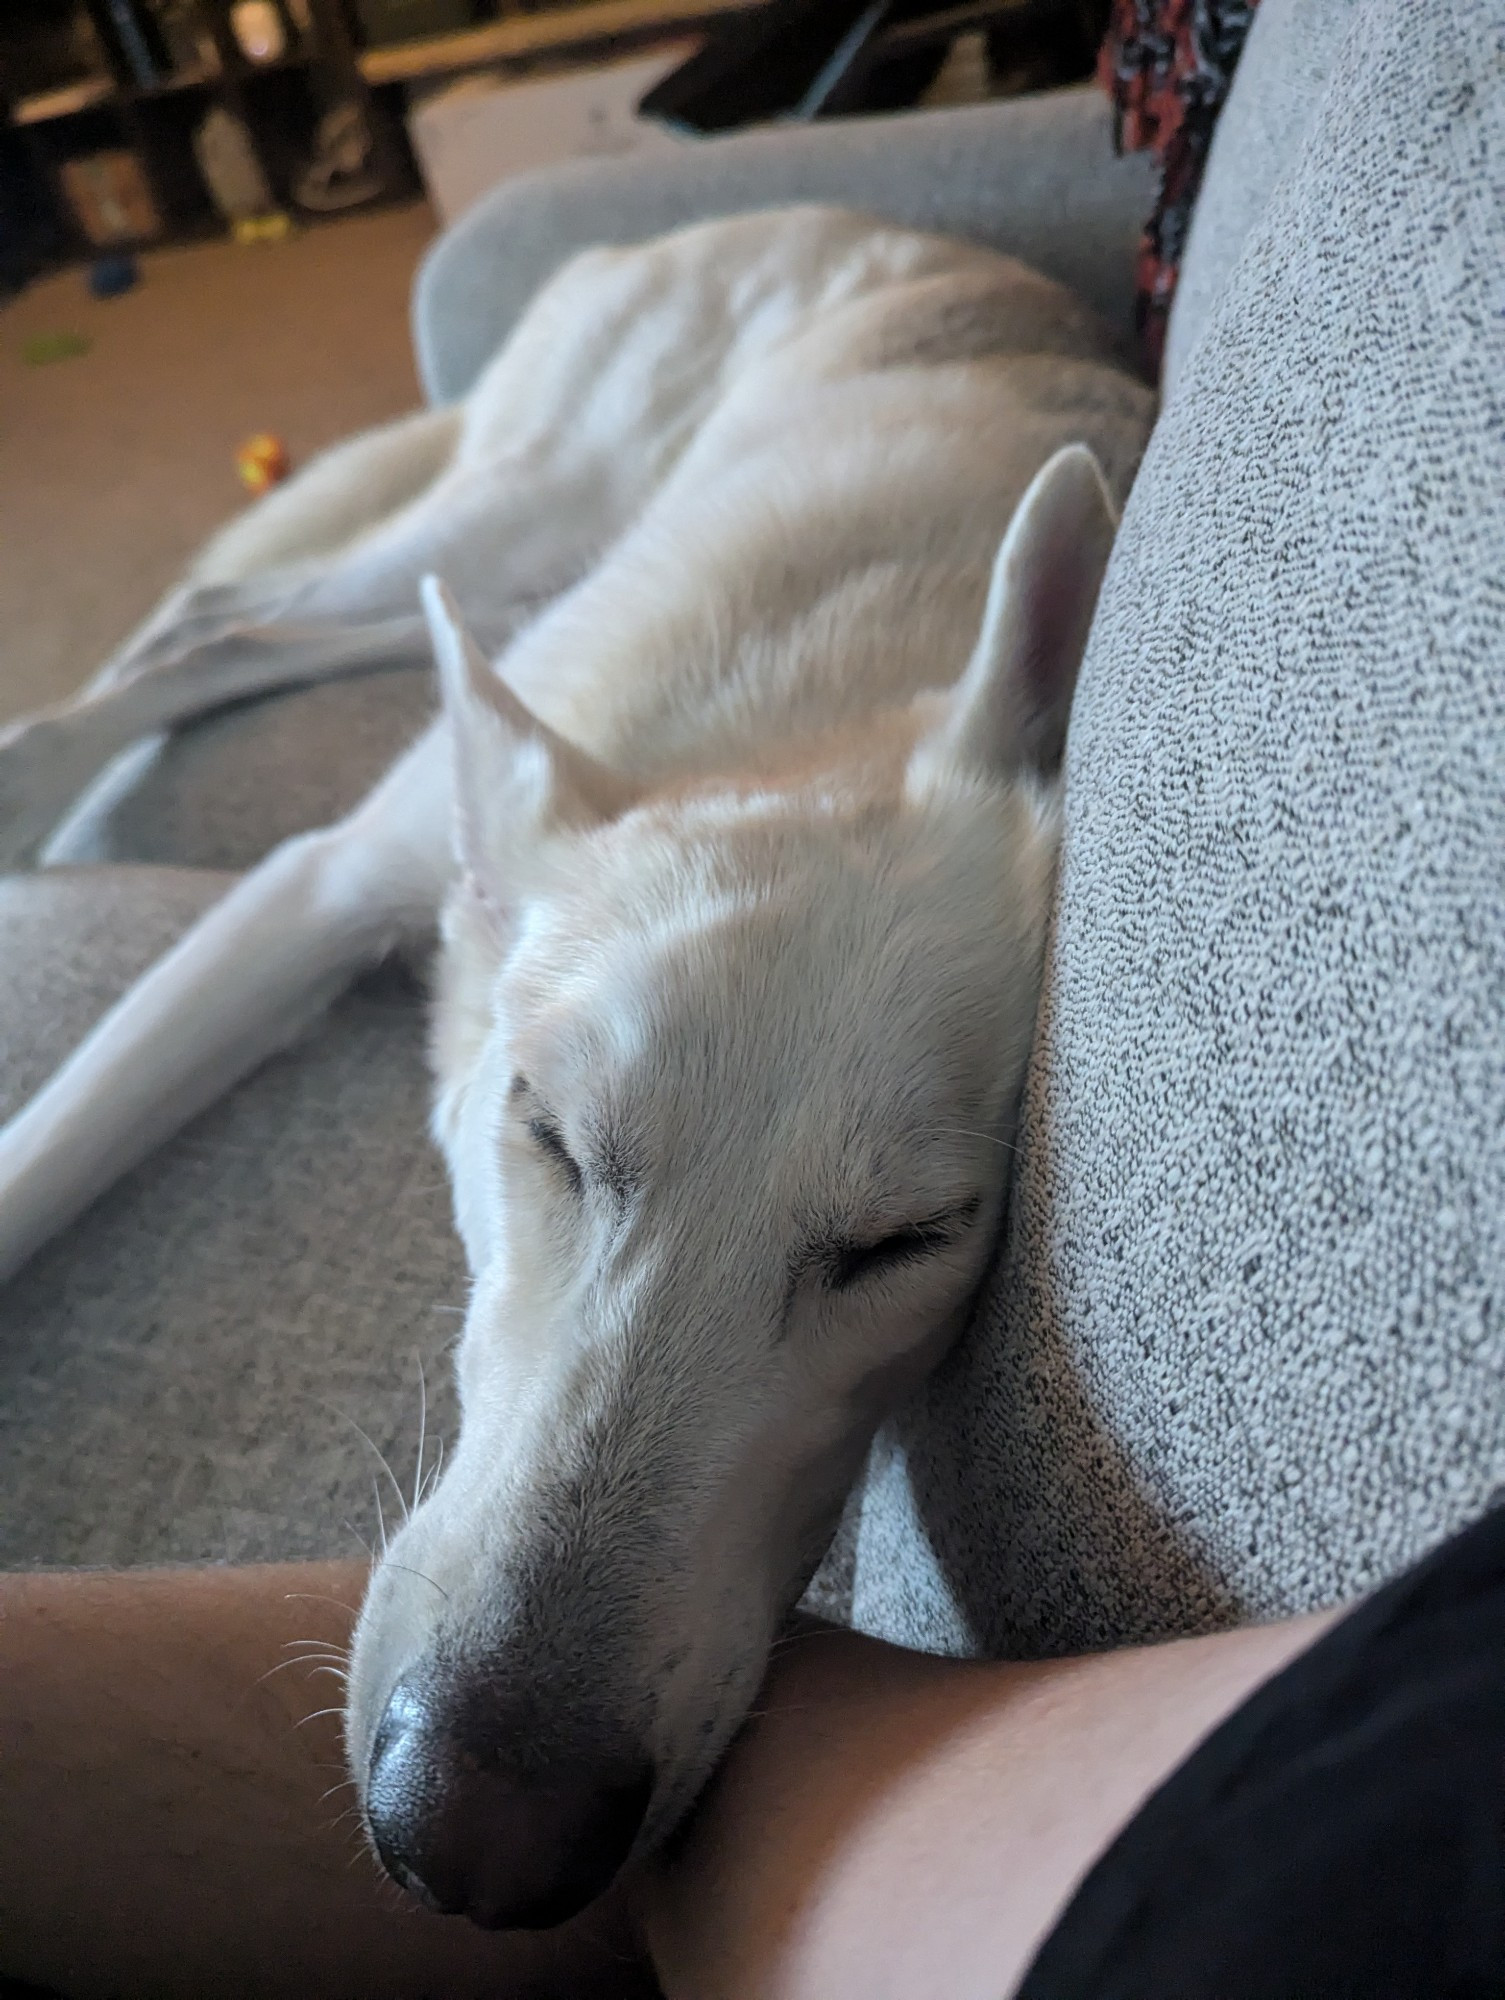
{"type": "Point", "coordinates": [743, 853]}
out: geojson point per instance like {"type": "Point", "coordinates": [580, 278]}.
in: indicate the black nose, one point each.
{"type": "Point", "coordinates": [473, 1832]}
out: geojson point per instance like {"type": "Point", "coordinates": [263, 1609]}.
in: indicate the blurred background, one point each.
{"type": "Point", "coordinates": [211, 212]}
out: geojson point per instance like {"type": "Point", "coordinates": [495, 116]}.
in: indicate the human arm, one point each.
{"type": "Point", "coordinates": [174, 1813]}
{"type": "Point", "coordinates": [894, 1825]}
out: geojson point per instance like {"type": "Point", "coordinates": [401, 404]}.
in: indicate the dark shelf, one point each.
{"type": "Point", "coordinates": [295, 59]}
{"type": "Point", "coordinates": [279, 102]}
{"type": "Point", "coordinates": [170, 86]}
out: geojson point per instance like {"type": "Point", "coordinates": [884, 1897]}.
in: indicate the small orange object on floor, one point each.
{"type": "Point", "coordinates": [262, 462]}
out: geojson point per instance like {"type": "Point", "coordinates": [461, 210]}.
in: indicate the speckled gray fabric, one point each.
{"type": "Point", "coordinates": [1281, 75]}
{"type": "Point", "coordinates": [223, 791]}
{"type": "Point", "coordinates": [1245, 1352]}
{"type": "Point", "coordinates": [180, 1372]}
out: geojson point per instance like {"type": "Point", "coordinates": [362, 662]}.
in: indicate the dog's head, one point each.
{"type": "Point", "coordinates": [727, 1088]}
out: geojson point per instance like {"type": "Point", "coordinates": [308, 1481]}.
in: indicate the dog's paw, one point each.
{"type": "Point", "coordinates": [45, 762]}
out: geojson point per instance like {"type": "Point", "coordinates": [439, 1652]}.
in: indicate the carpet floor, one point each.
{"type": "Point", "coordinates": [115, 465]}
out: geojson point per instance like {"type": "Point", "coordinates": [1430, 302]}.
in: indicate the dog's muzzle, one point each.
{"type": "Point", "coordinates": [475, 1831]}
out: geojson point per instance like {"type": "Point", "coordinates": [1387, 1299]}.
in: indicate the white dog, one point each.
{"type": "Point", "coordinates": [741, 831]}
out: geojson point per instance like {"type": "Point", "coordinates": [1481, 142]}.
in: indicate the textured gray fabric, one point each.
{"type": "Point", "coordinates": [180, 1372]}
{"type": "Point", "coordinates": [1280, 79]}
{"type": "Point", "coordinates": [1035, 176]}
{"type": "Point", "coordinates": [1245, 1352]}
{"type": "Point", "coordinates": [223, 791]}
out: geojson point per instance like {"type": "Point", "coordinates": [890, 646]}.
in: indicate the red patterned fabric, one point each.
{"type": "Point", "coordinates": [1167, 65]}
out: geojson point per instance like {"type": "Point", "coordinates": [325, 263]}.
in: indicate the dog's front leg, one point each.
{"type": "Point", "coordinates": [247, 979]}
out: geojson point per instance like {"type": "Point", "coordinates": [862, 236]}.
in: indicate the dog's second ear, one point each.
{"type": "Point", "coordinates": [1008, 711]}
{"type": "Point", "coordinates": [516, 779]}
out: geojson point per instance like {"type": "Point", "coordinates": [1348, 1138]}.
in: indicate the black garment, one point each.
{"type": "Point", "coordinates": [1342, 1834]}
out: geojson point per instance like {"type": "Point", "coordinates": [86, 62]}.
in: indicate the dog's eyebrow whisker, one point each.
{"type": "Point", "coordinates": [962, 1132]}
{"type": "Point", "coordinates": [317, 1597]}
{"type": "Point", "coordinates": [381, 1519]}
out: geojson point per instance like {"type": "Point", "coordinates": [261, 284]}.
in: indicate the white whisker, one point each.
{"type": "Point", "coordinates": [316, 1597]}
{"type": "Point", "coordinates": [381, 1519]}
{"type": "Point", "coordinates": [370, 1552]}
{"type": "Point", "coordinates": [408, 1570]}
{"type": "Point", "coordinates": [299, 1661]}
{"type": "Point", "coordinates": [435, 1471]}
{"type": "Point", "coordinates": [373, 1447]}
{"type": "Point", "coordinates": [423, 1421]}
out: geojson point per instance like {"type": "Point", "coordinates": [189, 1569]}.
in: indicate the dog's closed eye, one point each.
{"type": "Point", "coordinates": [853, 1263]}
{"type": "Point", "coordinates": [549, 1139]}
{"type": "Point", "coordinates": [849, 1267]}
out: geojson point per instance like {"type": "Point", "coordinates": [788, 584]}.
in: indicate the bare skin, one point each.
{"type": "Point", "coordinates": [891, 1824]}
{"type": "Point", "coordinates": [896, 1825]}
{"type": "Point", "coordinates": [167, 1827]}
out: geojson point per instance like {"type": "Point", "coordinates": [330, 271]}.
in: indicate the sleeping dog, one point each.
{"type": "Point", "coordinates": [769, 551]}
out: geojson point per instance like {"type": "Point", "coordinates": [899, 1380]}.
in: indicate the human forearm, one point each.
{"type": "Point", "coordinates": [168, 1828]}
{"type": "Point", "coordinates": [896, 1825]}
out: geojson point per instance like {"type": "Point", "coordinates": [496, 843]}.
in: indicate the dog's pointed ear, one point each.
{"type": "Point", "coordinates": [1008, 711]}
{"type": "Point", "coordinates": [516, 779]}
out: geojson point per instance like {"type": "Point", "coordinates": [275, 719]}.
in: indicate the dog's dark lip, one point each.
{"type": "Point", "coordinates": [400, 1872]}
{"type": "Point", "coordinates": [420, 1891]}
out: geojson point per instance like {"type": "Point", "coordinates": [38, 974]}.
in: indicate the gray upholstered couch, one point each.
{"type": "Point", "coordinates": [1243, 1352]}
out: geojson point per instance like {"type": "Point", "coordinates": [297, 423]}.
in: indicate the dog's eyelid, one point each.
{"type": "Point", "coordinates": [546, 1135]}
{"type": "Point", "coordinates": [848, 1259]}
{"type": "Point", "coordinates": [952, 1216]}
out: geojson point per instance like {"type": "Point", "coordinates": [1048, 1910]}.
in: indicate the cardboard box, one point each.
{"type": "Point", "coordinates": [483, 130]}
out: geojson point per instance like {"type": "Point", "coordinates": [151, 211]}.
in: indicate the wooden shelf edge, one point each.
{"type": "Point", "coordinates": [64, 102]}
{"type": "Point", "coordinates": [531, 35]}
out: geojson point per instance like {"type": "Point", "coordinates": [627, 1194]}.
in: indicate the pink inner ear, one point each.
{"type": "Point", "coordinates": [1057, 571]}
{"type": "Point", "coordinates": [1054, 627]}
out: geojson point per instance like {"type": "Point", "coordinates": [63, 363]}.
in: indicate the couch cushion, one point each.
{"type": "Point", "coordinates": [1281, 76]}
{"type": "Point", "coordinates": [1244, 1352]}
{"type": "Point", "coordinates": [224, 790]}
{"type": "Point", "coordinates": [180, 1372]}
